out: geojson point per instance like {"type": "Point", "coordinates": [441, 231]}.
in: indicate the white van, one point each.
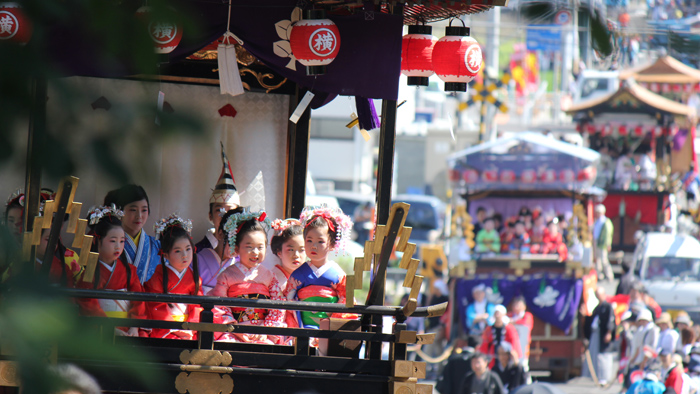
{"type": "Point", "coordinates": [592, 84]}
{"type": "Point", "coordinates": [669, 267]}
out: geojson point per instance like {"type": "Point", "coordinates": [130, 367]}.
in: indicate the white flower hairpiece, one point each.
{"type": "Point", "coordinates": [96, 213]}
{"type": "Point", "coordinates": [335, 218]}
{"type": "Point", "coordinates": [19, 193]}
{"type": "Point", "coordinates": [279, 225]}
{"type": "Point", "coordinates": [234, 222]}
{"type": "Point", "coordinates": [173, 220]}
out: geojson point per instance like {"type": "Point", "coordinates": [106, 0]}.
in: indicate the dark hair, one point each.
{"type": "Point", "coordinates": [488, 219]}
{"type": "Point", "coordinates": [13, 204]}
{"type": "Point", "coordinates": [319, 222]}
{"type": "Point", "coordinates": [99, 230]}
{"type": "Point", "coordinates": [481, 209]}
{"type": "Point", "coordinates": [288, 233]}
{"type": "Point", "coordinates": [498, 216]}
{"type": "Point", "coordinates": [481, 356]}
{"type": "Point", "coordinates": [518, 299]}
{"type": "Point", "coordinates": [687, 336]}
{"type": "Point", "coordinates": [168, 237]}
{"type": "Point", "coordinates": [125, 195]}
{"type": "Point", "coordinates": [243, 228]}
{"type": "Point", "coordinates": [519, 222]}
{"type": "Point", "coordinates": [69, 377]}
{"type": "Point", "coordinates": [59, 253]}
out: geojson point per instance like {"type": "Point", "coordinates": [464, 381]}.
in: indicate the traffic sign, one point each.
{"type": "Point", "coordinates": [562, 17]}
{"type": "Point", "coordinates": [544, 38]}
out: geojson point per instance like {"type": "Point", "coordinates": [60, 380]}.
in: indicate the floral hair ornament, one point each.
{"type": "Point", "coordinates": [95, 214]}
{"type": "Point", "coordinates": [279, 225]}
{"type": "Point", "coordinates": [233, 223]}
{"type": "Point", "coordinates": [17, 195]}
{"type": "Point", "coordinates": [337, 221]}
{"type": "Point", "coordinates": [173, 220]}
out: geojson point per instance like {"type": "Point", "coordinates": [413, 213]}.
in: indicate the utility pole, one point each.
{"type": "Point", "coordinates": [492, 64]}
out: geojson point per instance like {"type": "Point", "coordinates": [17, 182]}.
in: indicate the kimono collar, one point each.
{"type": "Point", "coordinates": [178, 274]}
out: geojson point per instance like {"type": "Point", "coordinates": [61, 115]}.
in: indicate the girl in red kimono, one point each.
{"type": "Point", "coordinates": [553, 242]}
{"type": "Point", "coordinates": [288, 245]}
{"type": "Point", "coordinates": [64, 268]}
{"type": "Point", "coordinates": [177, 274]}
{"type": "Point", "coordinates": [246, 234]}
{"type": "Point", "coordinates": [112, 273]}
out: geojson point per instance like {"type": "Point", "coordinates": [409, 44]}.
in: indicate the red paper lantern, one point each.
{"type": "Point", "coordinates": [457, 58]}
{"type": "Point", "coordinates": [455, 175]}
{"type": "Point", "coordinates": [528, 176]}
{"type": "Point", "coordinates": [590, 129]}
{"type": "Point", "coordinates": [566, 176]}
{"type": "Point", "coordinates": [586, 174]}
{"type": "Point", "coordinates": [658, 131]}
{"type": "Point", "coordinates": [490, 175]}
{"type": "Point", "coordinates": [549, 176]}
{"type": "Point", "coordinates": [622, 130]}
{"type": "Point", "coordinates": [507, 176]}
{"type": "Point", "coordinates": [166, 34]}
{"type": "Point", "coordinates": [15, 27]}
{"type": "Point", "coordinates": [471, 176]}
{"type": "Point", "coordinates": [315, 41]}
{"type": "Point", "coordinates": [417, 55]}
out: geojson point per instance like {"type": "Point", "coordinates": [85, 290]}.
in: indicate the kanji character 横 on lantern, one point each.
{"type": "Point", "coordinates": [529, 176]}
{"type": "Point", "coordinates": [315, 41]}
{"type": "Point", "coordinates": [15, 27]}
{"type": "Point", "coordinates": [471, 176]}
{"type": "Point", "coordinates": [166, 34]}
{"type": "Point", "coordinates": [417, 54]}
{"type": "Point", "coordinates": [457, 58]}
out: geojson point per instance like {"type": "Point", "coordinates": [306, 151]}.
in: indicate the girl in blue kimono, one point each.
{"type": "Point", "coordinates": [141, 249]}
{"type": "Point", "coordinates": [320, 279]}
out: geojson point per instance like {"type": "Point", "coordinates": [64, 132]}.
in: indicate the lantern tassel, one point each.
{"type": "Point", "coordinates": [229, 76]}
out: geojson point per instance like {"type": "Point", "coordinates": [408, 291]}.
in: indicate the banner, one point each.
{"type": "Point", "coordinates": [554, 300]}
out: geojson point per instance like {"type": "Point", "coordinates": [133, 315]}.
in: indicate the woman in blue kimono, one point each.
{"type": "Point", "coordinates": [141, 249]}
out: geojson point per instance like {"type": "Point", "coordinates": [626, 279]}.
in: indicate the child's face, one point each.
{"type": "Point", "coordinates": [41, 248]}
{"type": "Point", "coordinates": [520, 229]}
{"type": "Point", "coordinates": [292, 254]}
{"type": "Point", "coordinates": [488, 225]}
{"type": "Point", "coordinates": [251, 250]}
{"type": "Point", "coordinates": [135, 216]}
{"type": "Point", "coordinates": [317, 245]}
{"type": "Point", "coordinates": [112, 245]}
{"type": "Point", "coordinates": [215, 214]}
{"type": "Point", "coordinates": [180, 256]}
{"type": "Point", "coordinates": [14, 221]}
{"type": "Point", "coordinates": [553, 228]}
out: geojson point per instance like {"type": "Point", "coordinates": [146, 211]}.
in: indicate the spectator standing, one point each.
{"type": "Point", "coordinates": [668, 337]}
{"type": "Point", "coordinates": [523, 322]}
{"type": "Point", "coordinates": [684, 325]}
{"type": "Point", "coordinates": [600, 332]}
{"type": "Point", "coordinates": [602, 234]}
{"type": "Point", "coordinates": [481, 380]}
{"type": "Point", "coordinates": [508, 369]}
{"type": "Point", "coordinates": [627, 280]}
{"type": "Point", "coordinates": [479, 312]}
{"type": "Point", "coordinates": [498, 333]}
{"type": "Point", "coordinates": [673, 376]}
{"type": "Point", "coordinates": [457, 367]}
{"type": "Point", "coordinates": [645, 340]}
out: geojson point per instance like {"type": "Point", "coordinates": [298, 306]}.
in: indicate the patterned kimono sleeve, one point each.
{"type": "Point", "coordinates": [293, 284]}
{"type": "Point", "coordinates": [222, 285]}
{"type": "Point", "coordinates": [137, 309]}
{"type": "Point", "coordinates": [275, 317]}
{"type": "Point", "coordinates": [340, 289]}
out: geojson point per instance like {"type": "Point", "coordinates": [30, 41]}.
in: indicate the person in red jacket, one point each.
{"type": "Point", "coordinates": [552, 242]}
{"type": "Point", "coordinates": [673, 374]}
{"type": "Point", "coordinates": [501, 331]}
{"type": "Point", "coordinates": [523, 322]}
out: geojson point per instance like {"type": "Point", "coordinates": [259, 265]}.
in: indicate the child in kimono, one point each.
{"type": "Point", "coordinates": [141, 250]}
{"type": "Point", "coordinates": [288, 245]}
{"type": "Point", "coordinates": [176, 274]}
{"type": "Point", "coordinates": [320, 279]}
{"type": "Point", "coordinates": [64, 268]}
{"type": "Point", "coordinates": [213, 261]}
{"type": "Point", "coordinates": [246, 234]}
{"type": "Point", "coordinates": [112, 273]}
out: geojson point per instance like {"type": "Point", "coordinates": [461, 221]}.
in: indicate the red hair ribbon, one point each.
{"type": "Point", "coordinates": [325, 216]}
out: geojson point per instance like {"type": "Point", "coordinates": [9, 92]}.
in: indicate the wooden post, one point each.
{"type": "Point", "coordinates": [36, 132]}
{"type": "Point", "coordinates": [297, 158]}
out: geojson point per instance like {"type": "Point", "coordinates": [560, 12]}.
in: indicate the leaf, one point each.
{"type": "Point", "coordinates": [282, 48]}
{"type": "Point", "coordinates": [296, 14]}
{"type": "Point", "coordinates": [600, 35]}
{"type": "Point", "coordinates": [284, 29]}
{"type": "Point", "coordinates": [292, 65]}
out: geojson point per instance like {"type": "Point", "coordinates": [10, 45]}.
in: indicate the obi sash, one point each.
{"type": "Point", "coordinates": [115, 308]}
{"type": "Point", "coordinates": [315, 293]}
{"type": "Point", "coordinates": [255, 291]}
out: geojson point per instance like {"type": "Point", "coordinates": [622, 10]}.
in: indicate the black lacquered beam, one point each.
{"type": "Point", "coordinates": [429, 311]}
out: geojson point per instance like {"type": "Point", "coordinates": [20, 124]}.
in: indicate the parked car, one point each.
{"type": "Point", "coordinates": [426, 216]}
{"type": "Point", "coordinates": [669, 267]}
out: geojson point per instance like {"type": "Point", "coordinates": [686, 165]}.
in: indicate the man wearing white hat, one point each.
{"type": "Point", "coordinates": [645, 340]}
{"type": "Point", "coordinates": [223, 198]}
{"type": "Point", "coordinates": [479, 312]}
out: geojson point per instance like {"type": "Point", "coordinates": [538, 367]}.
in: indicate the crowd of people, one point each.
{"type": "Point", "coordinates": [531, 231]}
{"type": "Point", "coordinates": [227, 262]}
{"type": "Point", "coordinates": [493, 357]}
{"type": "Point", "coordinates": [625, 168]}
